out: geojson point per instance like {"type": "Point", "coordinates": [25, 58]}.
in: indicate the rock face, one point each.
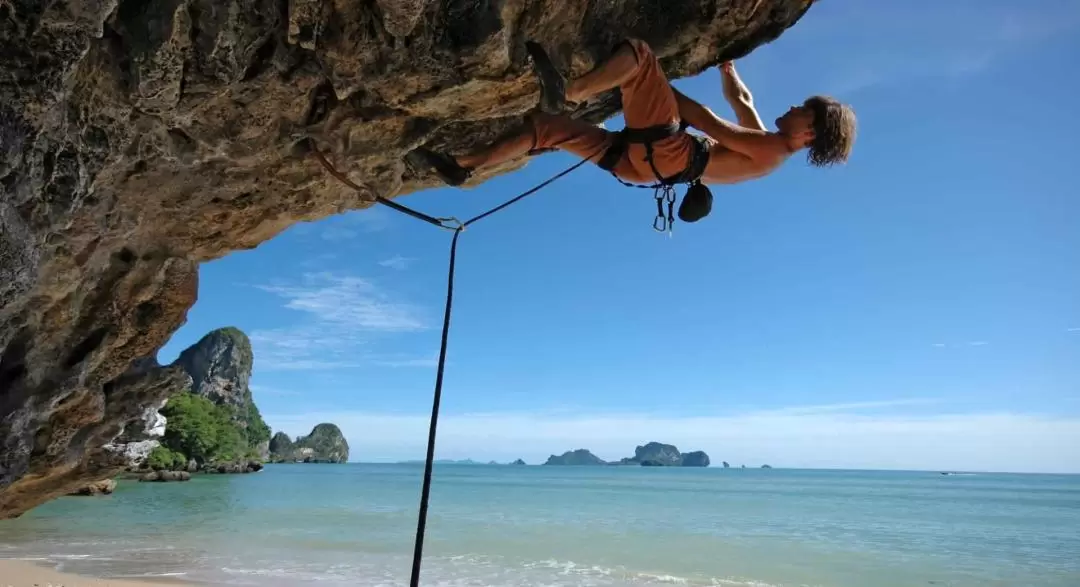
{"type": "Point", "coordinates": [655, 454]}
{"type": "Point", "coordinates": [325, 444]}
{"type": "Point", "coordinates": [697, 458]}
{"type": "Point", "coordinates": [280, 445]}
{"type": "Point", "coordinates": [139, 437]}
{"type": "Point", "coordinates": [233, 468]}
{"type": "Point", "coordinates": [220, 368]}
{"type": "Point", "coordinates": [163, 476]}
{"type": "Point", "coordinates": [97, 488]}
{"type": "Point", "coordinates": [139, 138]}
{"type": "Point", "coordinates": [658, 454]}
{"type": "Point", "coordinates": [518, 462]}
{"type": "Point", "coordinates": [580, 456]}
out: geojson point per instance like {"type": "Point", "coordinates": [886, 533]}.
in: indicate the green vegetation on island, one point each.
{"type": "Point", "coordinates": [200, 430]}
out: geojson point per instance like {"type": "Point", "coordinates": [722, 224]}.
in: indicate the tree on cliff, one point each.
{"type": "Point", "coordinates": [202, 430]}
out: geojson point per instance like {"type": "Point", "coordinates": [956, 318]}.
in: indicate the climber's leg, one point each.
{"type": "Point", "coordinates": [558, 131]}
{"type": "Point", "coordinates": [647, 97]}
{"type": "Point", "coordinates": [541, 132]}
{"type": "Point", "coordinates": [616, 71]}
{"type": "Point", "coordinates": [510, 147]}
{"type": "Point", "coordinates": [457, 170]}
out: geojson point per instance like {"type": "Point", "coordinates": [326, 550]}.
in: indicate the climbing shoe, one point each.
{"type": "Point", "coordinates": [696, 204]}
{"type": "Point", "coordinates": [552, 83]}
{"type": "Point", "coordinates": [443, 165]}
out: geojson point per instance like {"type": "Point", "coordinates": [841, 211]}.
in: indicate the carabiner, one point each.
{"type": "Point", "coordinates": [452, 224]}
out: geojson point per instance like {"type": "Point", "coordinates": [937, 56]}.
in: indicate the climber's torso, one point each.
{"type": "Point", "coordinates": [727, 166]}
{"type": "Point", "coordinates": [672, 155]}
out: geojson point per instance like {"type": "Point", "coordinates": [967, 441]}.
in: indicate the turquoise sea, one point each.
{"type": "Point", "coordinates": [333, 525]}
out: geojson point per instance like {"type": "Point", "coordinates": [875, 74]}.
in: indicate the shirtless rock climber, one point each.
{"type": "Point", "coordinates": [657, 116]}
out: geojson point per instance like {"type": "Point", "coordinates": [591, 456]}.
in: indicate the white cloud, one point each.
{"type": "Point", "coordinates": [978, 343]}
{"type": "Point", "coordinates": [940, 345]}
{"type": "Point", "coordinates": [397, 262]}
{"type": "Point", "coordinates": [347, 301]}
{"type": "Point", "coordinates": [1072, 329]}
{"type": "Point", "coordinates": [344, 313]}
{"type": "Point", "coordinates": [839, 436]}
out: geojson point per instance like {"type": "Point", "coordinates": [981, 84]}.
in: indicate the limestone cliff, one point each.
{"type": "Point", "coordinates": [139, 138]}
{"type": "Point", "coordinates": [220, 366]}
{"type": "Point", "coordinates": [325, 444]}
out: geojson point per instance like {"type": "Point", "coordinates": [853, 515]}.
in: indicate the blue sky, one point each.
{"type": "Point", "coordinates": [916, 308]}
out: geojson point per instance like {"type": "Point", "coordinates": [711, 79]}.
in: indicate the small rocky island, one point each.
{"type": "Point", "coordinates": [325, 444]}
{"type": "Point", "coordinates": [652, 454]}
{"type": "Point", "coordinates": [580, 456]}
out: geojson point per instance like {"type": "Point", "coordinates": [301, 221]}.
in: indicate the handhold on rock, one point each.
{"type": "Point", "coordinates": [443, 165]}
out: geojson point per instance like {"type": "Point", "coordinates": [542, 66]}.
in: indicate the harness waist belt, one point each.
{"type": "Point", "coordinates": [699, 157]}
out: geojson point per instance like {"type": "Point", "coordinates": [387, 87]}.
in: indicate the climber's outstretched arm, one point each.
{"type": "Point", "coordinates": [756, 144]}
{"type": "Point", "coordinates": [739, 97]}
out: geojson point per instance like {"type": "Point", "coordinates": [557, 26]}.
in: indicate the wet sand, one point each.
{"type": "Point", "coordinates": [14, 573]}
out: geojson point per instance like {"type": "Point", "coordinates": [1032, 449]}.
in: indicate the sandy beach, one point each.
{"type": "Point", "coordinates": [15, 573]}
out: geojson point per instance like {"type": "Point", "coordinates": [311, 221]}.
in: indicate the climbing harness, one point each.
{"type": "Point", "coordinates": [698, 199]}
{"type": "Point", "coordinates": [457, 227]}
{"type": "Point", "coordinates": [665, 194]}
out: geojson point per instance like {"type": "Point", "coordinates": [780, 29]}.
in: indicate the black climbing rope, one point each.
{"type": "Point", "coordinates": [458, 227]}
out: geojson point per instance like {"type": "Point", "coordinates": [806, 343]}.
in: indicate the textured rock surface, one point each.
{"type": "Point", "coordinates": [139, 437]}
{"type": "Point", "coordinates": [96, 488]}
{"type": "Point", "coordinates": [220, 366]}
{"type": "Point", "coordinates": [163, 476]}
{"type": "Point", "coordinates": [141, 137]}
{"type": "Point", "coordinates": [325, 444]}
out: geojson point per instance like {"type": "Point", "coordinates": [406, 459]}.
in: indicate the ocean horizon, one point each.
{"type": "Point", "coordinates": [490, 463]}
{"type": "Point", "coordinates": [331, 525]}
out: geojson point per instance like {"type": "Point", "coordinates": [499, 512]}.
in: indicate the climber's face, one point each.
{"type": "Point", "coordinates": [797, 122]}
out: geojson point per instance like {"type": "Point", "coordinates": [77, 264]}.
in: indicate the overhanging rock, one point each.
{"type": "Point", "coordinates": [141, 137]}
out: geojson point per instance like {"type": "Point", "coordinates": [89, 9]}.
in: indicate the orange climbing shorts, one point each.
{"type": "Point", "coordinates": [647, 100]}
